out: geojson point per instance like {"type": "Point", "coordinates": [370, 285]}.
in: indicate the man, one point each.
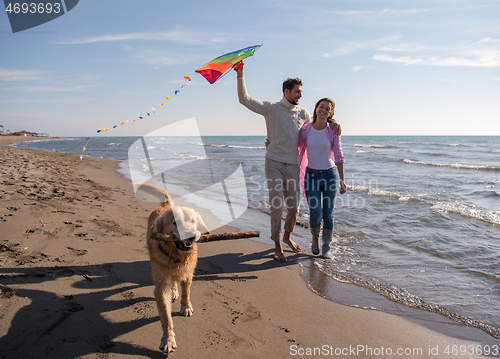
{"type": "Point", "coordinates": [284, 120]}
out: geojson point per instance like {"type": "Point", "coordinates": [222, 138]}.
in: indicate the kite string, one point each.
{"type": "Point", "coordinates": [84, 147]}
{"type": "Point", "coordinates": [105, 129]}
{"type": "Point", "coordinates": [186, 79]}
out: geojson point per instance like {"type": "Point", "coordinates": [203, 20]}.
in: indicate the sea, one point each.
{"type": "Point", "coordinates": [419, 225]}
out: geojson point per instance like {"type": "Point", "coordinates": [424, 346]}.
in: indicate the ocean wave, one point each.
{"type": "Point", "coordinates": [234, 146]}
{"type": "Point", "coordinates": [361, 151]}
{"type": "Point", "coordinates": [455, 144]}
{"type": "Point", "coordinates": [402, 197]}
{"type": "Point", "coordinates": [185, 156]}
{"type": "Point", "coordinates": [372, 191]}
{"type": "Point", "coordinates": [228, 146]}
{"type": "Point", "coordinates": [453, 165]}
{"type": "Point", "coordinates": [255, 148]}
{"type": "Point", "coordinates": [469, 211]}
{"type": "Point", "coordinates": [373, 146]}
{"type": "Point", "coordinates": [462, 208]}
{"type": "Point", "coordinates": [402, 296]}
{"type": "Point", "coordinates": [113, 144]}
{"type": "Point", "coordinates": [15, 144]}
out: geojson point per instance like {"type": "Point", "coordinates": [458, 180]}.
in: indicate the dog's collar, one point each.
{"type": "Point", "coordinates": [174, 259]}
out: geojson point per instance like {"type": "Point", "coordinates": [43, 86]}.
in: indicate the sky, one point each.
{"type": "Point", "coordinates": [392, 67]}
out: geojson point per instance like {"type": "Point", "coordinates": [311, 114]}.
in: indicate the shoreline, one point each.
{"type": "Point", "coordinates": [87, 224]}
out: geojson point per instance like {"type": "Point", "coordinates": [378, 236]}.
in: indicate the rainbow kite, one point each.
{"type": "Point", "coordinates": [218, 66]}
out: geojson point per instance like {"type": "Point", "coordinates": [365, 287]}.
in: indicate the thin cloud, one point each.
{"type": "Point", "coordinates": [439, 61]}
{"type": "Point", "coordinates": [157, 59]}
{"type": "Point", "coordinates": [381, 12]}
{"type": "Point", "coordinates": [9, 75]}
{"type": "Point", "coordinates": [403, 48]}
{"type": "Point", "coordinates": [486, 53]}
{"type": "Point", "coordinates": [37, 115]}
{"type": "Point", "coordinates": [23, 100]}
{"type": "Point", "coordinates": [356, 46]}
{"type": "Point", "coordinates": [402, 12]}
{"type": "Point", "coordinates": [49, 88]}
{"type": "Point", "coordinates": [359, 68]}
{"type": "Point", "coordinates": [189, 37]}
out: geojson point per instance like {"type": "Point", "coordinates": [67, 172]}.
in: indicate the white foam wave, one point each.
{"type": "Point", "coordinates": [373, 146]}
{"type": "Point", "coordinates": [373, 191]}
{"type": "Point", "coordinates": [228, 146]}
{"type": "Point", "coordinates": [360, 151]}
{"type": "Point", "coordinates": [251, 147]}
{"type": "Point", "coordinates": [402, 197]}
{"type": "Point", "coordinates": [185, 156]}
{"type": "Point", "coordinates": [199, 157]}
{"type": "Point", "coordinates": [452, 165]}
{"type": "Point", "coordinates": [113, 144]}
{"type": "Point", "coordinates": [464, 209]}
{"type": "Point", "coordinates": [234, 146]}
{"type": "Point", "coordinates": [468, 210]}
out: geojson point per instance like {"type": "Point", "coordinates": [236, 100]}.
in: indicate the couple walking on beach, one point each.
{"type": "Point", "coordinates": [299, 151]}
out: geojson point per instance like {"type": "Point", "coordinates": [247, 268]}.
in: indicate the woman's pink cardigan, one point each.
{"type": "Point", "coordinates": [336, 148]}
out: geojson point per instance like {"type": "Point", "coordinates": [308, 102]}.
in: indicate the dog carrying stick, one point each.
{"type": "Point", "coordinates": [210, 237]}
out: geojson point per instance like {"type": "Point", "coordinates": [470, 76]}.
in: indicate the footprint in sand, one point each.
{"type": "Point", "coordinates": [77, 252]}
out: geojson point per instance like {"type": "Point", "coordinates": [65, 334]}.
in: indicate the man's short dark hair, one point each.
{"type": "Point", "coordinates": [290, 83]}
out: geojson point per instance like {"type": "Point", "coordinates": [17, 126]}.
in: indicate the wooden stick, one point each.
{"type": "Point", "coordinates": [227, 236]}
{"type": "Point", "coordinates": [210, 237]}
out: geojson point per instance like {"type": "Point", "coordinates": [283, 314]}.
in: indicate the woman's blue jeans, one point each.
{"type": "Point", "coordinates": [320, 187]}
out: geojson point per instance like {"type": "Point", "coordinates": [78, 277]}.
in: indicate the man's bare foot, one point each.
{"type": "Point", "coordinates": [294, 246]}
{"type": "Point", "coordinates": [278, 253]}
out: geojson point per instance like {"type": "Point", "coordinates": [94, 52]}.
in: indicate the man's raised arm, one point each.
{"type": "Point", "coordinates": [252, 104]}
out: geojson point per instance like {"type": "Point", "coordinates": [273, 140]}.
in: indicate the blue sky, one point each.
{"type": "Point", "coordinates": [393, 67]}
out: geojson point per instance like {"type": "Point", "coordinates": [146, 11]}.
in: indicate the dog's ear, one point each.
{"type": "Point", "coordinates": [159, 223]}
{"type": "Point", "coordinates": [169, 226]}
{"type": "Point", "coordinates": [164, 223]}
{"type": "Point", "coordinates": [200, 225]}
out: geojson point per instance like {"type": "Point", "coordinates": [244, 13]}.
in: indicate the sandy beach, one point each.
{"type": "Point", "coordinates": [75, 281]}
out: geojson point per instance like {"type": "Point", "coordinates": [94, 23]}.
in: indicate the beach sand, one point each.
{"type": "Point", "coordinates": [75, 280]}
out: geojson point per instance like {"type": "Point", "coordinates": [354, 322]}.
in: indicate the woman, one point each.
{"type": "Point", "coordinates": [321, 172]}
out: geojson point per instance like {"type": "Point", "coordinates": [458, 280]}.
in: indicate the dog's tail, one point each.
{"type": "Point", "coordinates": [151, 193]}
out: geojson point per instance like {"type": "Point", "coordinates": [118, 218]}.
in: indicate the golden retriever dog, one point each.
{"type": "Point", "coordinates": [172, 261]}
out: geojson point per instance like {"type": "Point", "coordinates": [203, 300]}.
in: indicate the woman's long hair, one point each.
{"type": "Point", "coordinates": [328, 99]}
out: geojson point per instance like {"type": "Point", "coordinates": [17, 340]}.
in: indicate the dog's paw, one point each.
{"type": "Point", "coordinates": [187, 310]}
{"type": "Point", "coordinates": [175, 294]}
{"type": "Point", "coordinates": [168, 344]}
